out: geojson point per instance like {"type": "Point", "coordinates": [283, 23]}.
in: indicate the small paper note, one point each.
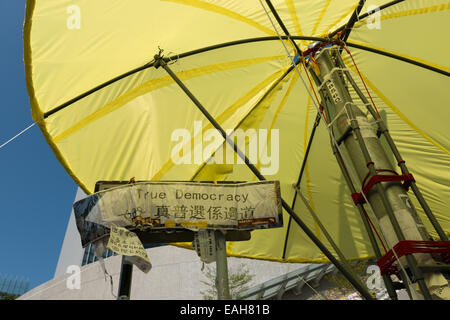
{"type": "Point", "coordinates": [127, 243]}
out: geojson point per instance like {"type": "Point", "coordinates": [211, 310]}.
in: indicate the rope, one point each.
{"type": "Point", "coordinates": [314, 290]}
{"type": "Point", "coordinates": [364, 83]}
{"type": "Point", "coordinates": [376, 232]}
{"type": "Point", "coordinates": [21, 132]}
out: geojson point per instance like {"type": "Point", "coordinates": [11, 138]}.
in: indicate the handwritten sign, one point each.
{"type": "Point", "coordinates": [125, 242]}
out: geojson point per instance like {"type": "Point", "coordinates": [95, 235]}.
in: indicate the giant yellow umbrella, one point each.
{"type": "Point", "coordinates": [109, 114]}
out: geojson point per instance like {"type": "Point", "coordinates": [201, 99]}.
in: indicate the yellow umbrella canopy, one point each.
{"type": "Point", "coordinates": [109, 115]}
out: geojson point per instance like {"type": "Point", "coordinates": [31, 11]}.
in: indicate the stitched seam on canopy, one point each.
{"type": "Point", "coordinates": [293, 13]}
{"type": "Point", "coordinates": [396, 110]}
{"type": "Point", "coordinates": [293, 80]}
{"type": "Point", "coordinates": [223, 11]}
{"type": "Point", "coordinates": [277, 113]}
{"type": "Point", "coordinates": [294, 18]}
{"type": "Point", "coordinates": [403, 55]}
{"type": "Point", "coordinates": [225, 115]}
{"type": "Point", "coordinates": [436, 8]}
{"type": "Point", "coordinates": [322, 13]}
{"type": "Point", "coordinates": [155, 84]}
{"type": "Point", "coordinates": [412, 12]}
{"type": "Point", "coordinates": [267, 98]}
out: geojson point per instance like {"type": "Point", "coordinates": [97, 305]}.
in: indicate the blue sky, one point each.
{"type": "Point", "coordinates": [35, 191]}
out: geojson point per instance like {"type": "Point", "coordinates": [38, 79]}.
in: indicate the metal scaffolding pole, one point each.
{"type": "Point", "coordinates": [386, 278]}
{"type": "Point", "coordinates": [388, 200]}
{"type": "Point", "coordinates": [382, 129]}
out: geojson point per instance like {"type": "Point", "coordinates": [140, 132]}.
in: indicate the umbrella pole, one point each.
{"type": "Point", "coordinates": [383, 130]}
{"type": "Point", "coordinates": [386, 279]}
{"type": "Point", "coordinates": [126, 274]}
{"type": "Point", "coordinates": [364, 153]}
{"type": "Point", "coordinates": [159, 62]}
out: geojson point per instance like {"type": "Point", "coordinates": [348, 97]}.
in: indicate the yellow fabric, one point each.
{"type": "Point", "coordinates": [124, 130]}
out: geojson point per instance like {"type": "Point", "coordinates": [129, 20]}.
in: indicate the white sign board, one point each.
{"type": "Point", "coordinates": [162, 205]}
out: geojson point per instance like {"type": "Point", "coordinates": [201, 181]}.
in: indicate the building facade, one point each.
{"type": "Point", "coordinates": [176, 274]}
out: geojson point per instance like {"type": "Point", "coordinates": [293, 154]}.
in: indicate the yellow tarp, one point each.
{"type": "Point", "coordinates": [125, 129]}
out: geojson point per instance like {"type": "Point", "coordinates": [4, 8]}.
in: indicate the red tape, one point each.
{"type": "Point", "coordinates": [412, 246]}
{"type": "Point", "coordinates": [407, 178]}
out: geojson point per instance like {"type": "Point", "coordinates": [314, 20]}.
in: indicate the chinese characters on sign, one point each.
{"type": "Point", "coordinates": [159, 205]}
{"type": "Point", "coordinates": [203, 212]}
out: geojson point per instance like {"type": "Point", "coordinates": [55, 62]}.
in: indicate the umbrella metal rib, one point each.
{"type": "Point", "coordinates": [354, 17]}
{"type": "Point", "coordinates": [297, 185]}
{"type": "Point", "coordinates": [159, 62]}
{"type": "Point", "coordinates": [280, 22]}
{"type": "Point", "coordinates": [274, 85]}
{"type": "Point", "coordinates": [365, 15]}
{"type": "Point", "coordinates": [233, 43]}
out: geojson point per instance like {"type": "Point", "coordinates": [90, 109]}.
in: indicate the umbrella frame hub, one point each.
{"type": "Point", "coordinates": [160, 62]}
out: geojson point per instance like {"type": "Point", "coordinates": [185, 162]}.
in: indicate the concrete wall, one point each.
{"type": "Point", "coordinates": [175, 275]}
{"type": "Point", "coordinates": [71, 250]}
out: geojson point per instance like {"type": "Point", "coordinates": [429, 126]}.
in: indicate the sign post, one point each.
{"type": "Point", "coordinates": [177, 211]}
{"type": "Point", "coordinates": [222, 284]}
{"type": "Point", "coordinates": [126, 275]}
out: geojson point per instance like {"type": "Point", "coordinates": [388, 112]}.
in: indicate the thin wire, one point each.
{"type": "Point", "coordinates": [315, 291]}
{"type": "Point", "coordinates": [363, 82]}
{"type": "Point", "coordinates": [21, 132]}
{"type": "Point", "coordinates": [333, 139]}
